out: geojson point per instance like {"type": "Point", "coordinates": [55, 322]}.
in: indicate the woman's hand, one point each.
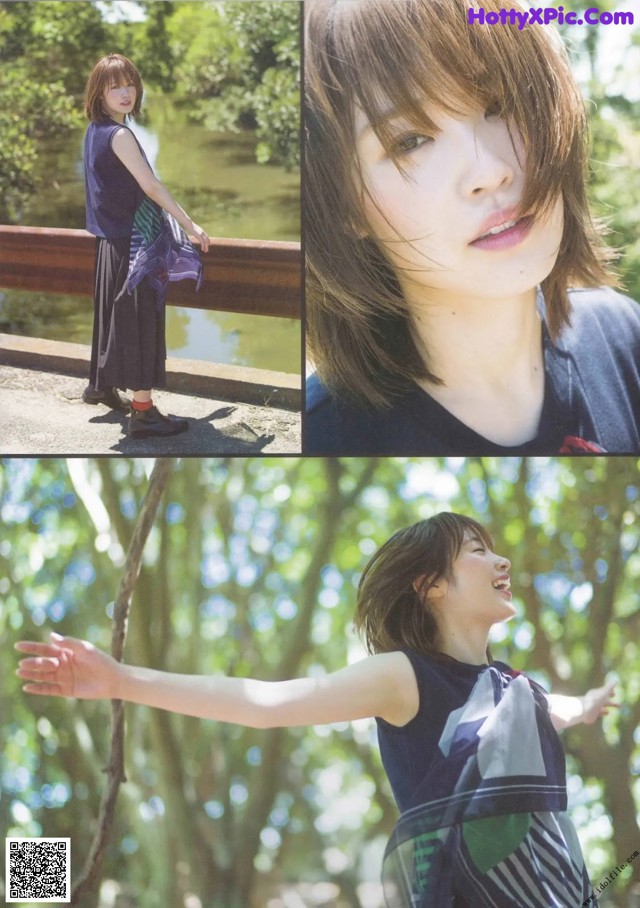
{"type": "Point", "coordinates": [126, 148]}
{"type": "Point", "coordinates": [67, 667]}
{"type": "Point", "coordinates": [568, 711]}
{"type": "Point", "coordinates": [198, 235]}
{"type": "Point", "coordinates": [597, 702]}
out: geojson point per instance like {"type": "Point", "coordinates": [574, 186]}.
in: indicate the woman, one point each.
{"type": "Point", "coordinates": [446, 220]}
{"type": "Point", "coordinates": [468, 744]}
{"type": "Point", "coordinates": [138, 251]}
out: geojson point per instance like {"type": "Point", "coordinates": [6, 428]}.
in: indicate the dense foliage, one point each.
{"type": "Point", "coordinates": [251, 570]}
{"type": "Point", "coordinates": [607, 62]}
{"type": "Point", "coordinates": [44, 51]}
{"type": "Point", "coordinates": [236, 65]}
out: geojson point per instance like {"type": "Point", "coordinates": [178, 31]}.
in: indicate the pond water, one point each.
{"type": "Point", "coordinates": [217, 180]}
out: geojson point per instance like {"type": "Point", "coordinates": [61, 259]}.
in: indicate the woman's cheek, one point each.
{"type": "Point", "coordinates": [392, 214]}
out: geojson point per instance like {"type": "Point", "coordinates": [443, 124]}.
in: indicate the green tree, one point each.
{"type": "Point", "coordinates": [45, 50]}
{"type": "Point", "coordinates": [238, 65]}
{"type": "Point", "coordinates": [147, 43]}
{"type": "Point", "coordinates": [614, 114]}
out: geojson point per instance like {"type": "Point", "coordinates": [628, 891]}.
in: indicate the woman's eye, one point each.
{"type": "Point", "coordinates": [409, 142]}
{"type": "Point", "coordinates": [494, 110]}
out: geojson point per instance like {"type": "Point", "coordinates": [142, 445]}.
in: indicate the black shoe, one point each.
{"type": "Point", "coordinates": [110, 397]}
{"type": "Point", "coordinates": [144, 423]}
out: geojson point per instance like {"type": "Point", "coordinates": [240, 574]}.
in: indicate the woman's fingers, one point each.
{"type": "Point", "coordinates": [58, 645]}
{"type": "Point", "coordinates": [201, 237]}
{"type": "Point", "coordinates": [42, 672]}
{"type": "Point", "coordinates": [39, 664]}
{"type": "Point", "coordinates": [47, 666]}
{"type": "Point", "coordinates": [40, 679]}
{"type": "Point", "coordinates": [47, 690]}
{"type": "Point", "coordinates": [610, 694]}
{"type": "Point", "coordinates": [37, 649]}
{"type": "Point", "coordinates": [70, 643]}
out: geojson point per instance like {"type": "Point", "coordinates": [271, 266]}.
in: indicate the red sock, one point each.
{"type": "Point", "coordinates": [141, 405]}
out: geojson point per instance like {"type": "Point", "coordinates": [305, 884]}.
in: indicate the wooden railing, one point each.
{"type": "Point", "coordinates": [249, 277]}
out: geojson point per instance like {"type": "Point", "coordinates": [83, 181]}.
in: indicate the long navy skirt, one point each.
{"type": "Point", "coordinates": [128, 349]}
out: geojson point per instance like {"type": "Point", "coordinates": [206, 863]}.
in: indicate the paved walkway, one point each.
{"type": "Point", "coordinates": [43, 413]}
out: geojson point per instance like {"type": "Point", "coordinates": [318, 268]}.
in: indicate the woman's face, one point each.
{"type": "Point", "coordinates": [479, 591]}
{"type": "Point", "coordinates": [119, 100]}
{"type": "Point", "coordinates": [441, 224]}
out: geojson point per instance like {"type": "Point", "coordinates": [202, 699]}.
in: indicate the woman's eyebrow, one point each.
{"type": "Point", "coordinates": [388, 118]}
{"type": "Point", "coordinates": [365, 125]}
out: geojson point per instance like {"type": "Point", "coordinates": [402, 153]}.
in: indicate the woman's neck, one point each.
{"type": "Point", "coordinates": [469, 647]}
{"type": "Point", "coordinates": [489, 356]}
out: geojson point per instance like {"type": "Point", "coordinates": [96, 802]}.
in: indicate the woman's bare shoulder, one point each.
{"type": "Point", "coordinates": [404, 699]}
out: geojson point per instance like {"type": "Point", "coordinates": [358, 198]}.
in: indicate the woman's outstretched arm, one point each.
{"type": "Point", "coordinates": [568, 711]}
{"type": "Point", "coordinates": [382, 685]}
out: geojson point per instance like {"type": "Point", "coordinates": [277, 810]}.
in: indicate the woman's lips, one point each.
{"type": "Point", "coordinates": [506, 238]}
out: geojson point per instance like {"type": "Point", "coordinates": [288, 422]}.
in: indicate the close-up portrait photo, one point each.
{"type": "Point", "coordinates": [472, 266]}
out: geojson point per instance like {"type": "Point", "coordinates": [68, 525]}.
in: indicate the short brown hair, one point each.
{"type": "Point", "coordinates": [417, 54]}
{"type": "Point", "coordinates": [391, 610]}
{"type": "Point", "coordinates": [112, 68]}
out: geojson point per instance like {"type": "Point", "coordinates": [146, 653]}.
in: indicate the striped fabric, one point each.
{"type": "Point", "coordinates": [160, 251]}
{"type": "Point", "coordinates": [490, 829]}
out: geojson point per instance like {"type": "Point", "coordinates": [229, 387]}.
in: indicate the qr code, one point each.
{"type": "Point", "coordinates": [38, 870]}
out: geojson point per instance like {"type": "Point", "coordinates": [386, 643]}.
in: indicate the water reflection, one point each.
{"type": "Point", "coordinates": [216, 178]}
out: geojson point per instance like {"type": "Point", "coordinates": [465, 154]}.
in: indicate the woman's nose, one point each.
{"type": "Point", "coordinates": [503, 563]}
{"type": "Point", "coordinates": [487, 160]}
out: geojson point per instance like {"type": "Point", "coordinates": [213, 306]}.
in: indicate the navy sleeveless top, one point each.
{"type": "Point", "coordinates": [407, 752]}
{"type": "Point", "coordinates": [112, 194]}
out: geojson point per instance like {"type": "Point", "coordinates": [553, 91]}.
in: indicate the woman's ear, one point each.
{"type": "Point", "coordinates": [427, 590]}
{"type": "Point", "coordinates": [437, 590]}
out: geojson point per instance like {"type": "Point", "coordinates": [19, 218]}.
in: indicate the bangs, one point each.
{"type": "Point", "coordinates": [475, 531]}
{"type": "Point", "coordinates": [455, 530]}
{"type": "Point", "coordinates": [119, 71]}
{"type": "Point", "coordinates": [450, 77]}
{"type": "Point", "coordinates": [407, 58]}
